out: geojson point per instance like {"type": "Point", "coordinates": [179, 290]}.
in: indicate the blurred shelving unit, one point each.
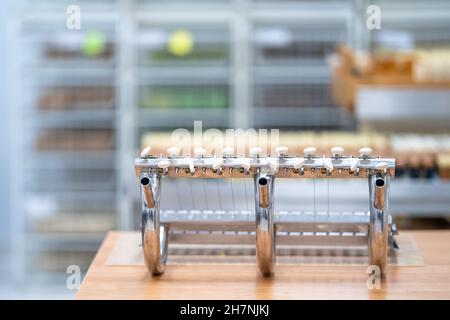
{"type": "Point", "coordinates": [87, 96]}
{"type": "Point", "coordinates": [292, 42]}
{"type": "Point", "coordinates": [409, 28]}
{"type": "Point", "coordinates": [183, 71]}
{"type": "Point", "coordinates": [66, 186]}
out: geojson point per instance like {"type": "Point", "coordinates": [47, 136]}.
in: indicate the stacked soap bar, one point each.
{"type": "Point", "coordinates": [432, 65]}
{"type": "Point", "coordinates": [80, 49]}
{"type": "Point", "coordinates": [418, 156]}
{"type": "Point", "coordinates": [77, 97]}
{"type": "Point", "coordinates": [422, 156]}
{"type": "Point", "coordinates": [295, 141]}
{"type": "Point", "coordinates": [77, 139]}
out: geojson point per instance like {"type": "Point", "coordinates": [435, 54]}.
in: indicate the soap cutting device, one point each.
{"type": "Point", "coordinates": [264, 224]}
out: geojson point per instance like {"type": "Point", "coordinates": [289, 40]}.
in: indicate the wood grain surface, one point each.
{"type": "Point", "coordinates": [226, 281]}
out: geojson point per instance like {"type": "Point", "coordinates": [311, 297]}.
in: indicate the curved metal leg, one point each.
{"type": "Point", "coordinates": [154, 235]}
{"type": "Point", "coordinates": [378, 227]}
{"type": "Point", "coordinates": [265, 229]}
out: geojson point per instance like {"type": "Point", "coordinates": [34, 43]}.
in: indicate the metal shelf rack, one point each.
{"type": "Point", "coordinates": [66, 186]}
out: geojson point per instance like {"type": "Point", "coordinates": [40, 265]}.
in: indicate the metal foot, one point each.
{"type": "Point", "coordinates": [154, 235]}
{"type": "Point", "coordinates": [265, 229]}
{"type": "Point", "coordinates": [378, 226]}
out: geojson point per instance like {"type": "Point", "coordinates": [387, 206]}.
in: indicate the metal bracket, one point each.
{"type": "Point", "coordinates": [378, 226]}
{"type": "Point", "coordinates": [265, 229]}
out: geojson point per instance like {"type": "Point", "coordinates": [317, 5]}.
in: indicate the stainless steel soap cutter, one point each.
{"type": "Point", "coordinates": [374, 227]}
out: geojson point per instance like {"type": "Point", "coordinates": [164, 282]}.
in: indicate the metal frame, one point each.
{"type": "Point", "coordinates": [263, 169]}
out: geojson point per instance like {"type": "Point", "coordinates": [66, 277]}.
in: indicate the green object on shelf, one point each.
{"type": "Point", "coordinates": [185, 98]}
{"type": "Point", "coordinates": [94, 44]}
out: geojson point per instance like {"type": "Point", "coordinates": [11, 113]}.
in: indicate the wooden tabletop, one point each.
{"type": "Point", "coordinates": [242, 281]}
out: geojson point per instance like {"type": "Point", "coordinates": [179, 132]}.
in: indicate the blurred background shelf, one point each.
{"type": "Point", "coordinates": [170, 118]}
{"type": "Point", "coordinates": [306, 118]}
{"type": "Point", "coordinates": [67, 185]}
{"type": "Point", "coordinates": [71, 160]}
{"type": "Point", "coordinates": [73, 118]}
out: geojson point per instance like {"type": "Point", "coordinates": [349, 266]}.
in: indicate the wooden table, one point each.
{"type": "Point", "coordinates": [225, 281]}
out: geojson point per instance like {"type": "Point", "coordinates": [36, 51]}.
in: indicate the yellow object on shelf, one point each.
{"type": "Point", "coordinates": [181, 43]}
